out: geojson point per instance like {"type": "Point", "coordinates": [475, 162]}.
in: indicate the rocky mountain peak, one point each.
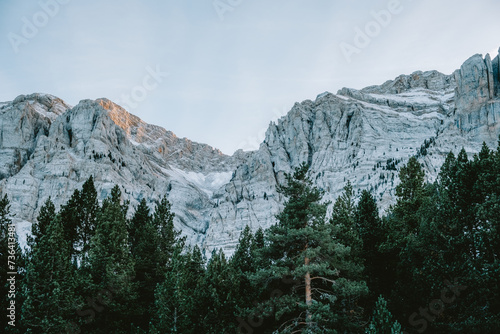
{"type": "Point", "coordinates": [496, 73]}
{"type": "Point", "coordinates": [136, 129]}
{"type": "Point", "coordinates": [45, 104]}
{"type": "Point", "coordinates": [475, 84]}
{"type": "Point", "coordinates": [430, 80]}
{"type": "Point", "coordinates": [22, 122]}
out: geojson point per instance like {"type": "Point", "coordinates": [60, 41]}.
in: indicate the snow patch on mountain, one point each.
{"type": "Point", "coordinates": [23, 230]}
{"type": "Point", "coordinates": [208, 183]}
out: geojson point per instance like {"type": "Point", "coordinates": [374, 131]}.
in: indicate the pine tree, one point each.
{"type": "Point", "coordinates": [112, 267]}
{"type": "Point", "coordinates": [242, 264]}
{"type": "Point", "coordinates": [256, 249]}
{"type": "Point", "coordinates": [457, 236]}
{"type": "Point", "coordinates": [344, 219]}
{"type": "Point", "coordinates": [169, 311]}
{"type": "Point", "coordinates": [89, 209]}
{"type": "Point", "coordinates": [243, 258]}
{"type": "Point", "coordinates": [50, 277]}
{"type": "Point", "coordinates": [381, 322]}
{"type": "Point", "coordinates": [79, 216]}
{"type": "Point", "coordinates": [401, 228]}
{"type": "Point", "coordinates": [44, 219]}
{"type": "Point", "coordinates": [71, 216]}
{"type": "Point", "coordinates": [245, 261]}
{"type": "Point", "coordinates": [345, 232]}
{"type": "Point", "coordinates": [409, 194]}
{"type": "Point", "coordinates": [179, 298]}
{"type": "Point", "coordinates": [218, 302]}
{"type": "Point", "coordinates": [138, 226]}
{"type": "Point", "coordinates": [169, 238]}
{"type": "Point", "coordinates": [259, 240]}
{"type": "Point", "coordinates": [153, 241]}
{"type": "Point", "coordinates": [369, 226]}
{"type": "Point", "coordinates": [487, 212]}
{"type": "Point", "coordinates": [302, 247]}
{"type": "Point", "coordinates": [368, 222]}
{"type": "Point", "coordinates": [169, 271]}
{"type": "Point", "coordinates": [143, 239]}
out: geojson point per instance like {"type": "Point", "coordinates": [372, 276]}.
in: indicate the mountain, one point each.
{"type": "Point", "coordinates": [49, 148]}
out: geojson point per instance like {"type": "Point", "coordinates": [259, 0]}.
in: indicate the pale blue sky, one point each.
{"type": "Point", "coordinates": [229, 72]}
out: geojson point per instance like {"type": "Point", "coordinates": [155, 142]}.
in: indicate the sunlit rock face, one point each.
{"type": "Point", "coordinates": [48, 148]}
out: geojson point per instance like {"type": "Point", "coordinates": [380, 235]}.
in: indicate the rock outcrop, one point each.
{"type": "Point", "coordinates": [59, 152]}
{"type": "Point", "coordinates": [496, 74]}
{"type": "Point", "coordinates": [475, 84]}
{"type": "Point", "coordinates": [21, 124]}
{"type": "Point", "coordinates": [48, 148]}
{"type": "Point", "coordinates": [476, 96]}
{"type": "Point", "coordinates": [362, 136]}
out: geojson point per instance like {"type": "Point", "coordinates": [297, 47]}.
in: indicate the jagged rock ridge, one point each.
{"type": "Point", "coordinates": [49, 148]}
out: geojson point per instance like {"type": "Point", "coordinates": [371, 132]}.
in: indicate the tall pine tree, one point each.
{"type": "Point", "coordinates": [154, 241]}
{"type": "Point", "coordinates": [50, 276]}
{"type": "Point", "coordinates": [302, 249]}
{"type": "Point", "coordinates": [179, 298]}
{"type": "Point", "coordinates": [79, 217]}
{"type": "Point", "coordinates": [369, 226]}
{"type": "Point", "coordinates": [112, 267]}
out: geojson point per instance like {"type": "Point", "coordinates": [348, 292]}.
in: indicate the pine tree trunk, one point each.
{"type": "Point", "coordinates": [175, 320]}
{"type": "Point", "coordinates": [308, 292]}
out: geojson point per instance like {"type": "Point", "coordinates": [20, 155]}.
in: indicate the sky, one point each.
{"type": "Point", "coordinates": [219, 71]}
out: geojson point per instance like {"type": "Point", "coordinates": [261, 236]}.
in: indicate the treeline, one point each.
{"type": "Point", "coordinates": [430, 264]}
{"type": "Point", "coordinates": [89, 269]}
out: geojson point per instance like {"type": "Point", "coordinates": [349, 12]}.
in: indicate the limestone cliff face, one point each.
{"type": "Point", "coordinates": [474, 84]}
{"type": "Point", "coordinates": [22, 122]}
{"type": "Point", "coordinates": [48, 148]}
{"type": "Point", "coordinates": [496, 74]}
{"type": "Point", "coordinates": [477, 95]}
{"type": "Point", "coordinates": [360, 136]}
{"type": "Point", "coordinates": [59, 152]}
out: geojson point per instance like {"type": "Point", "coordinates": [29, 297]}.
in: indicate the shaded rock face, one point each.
{"type": "Point", "coordinates": [22, 122]}
{"type": "Point", "coordinates": [477, 94]}
{"type": "Point", "coordinates": [475, 83]}
{"type": "Point", "coordinates": [48, 148]}
{"type": "Point", "coordinates": [496, 74]}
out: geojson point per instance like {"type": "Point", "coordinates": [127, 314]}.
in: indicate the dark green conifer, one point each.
{"type": "Point", "coordinates": [303, 248]}
{"type": "Point", "coordinates": [112, 267]}
{"type": "Point", "coordinates": [50, 277]}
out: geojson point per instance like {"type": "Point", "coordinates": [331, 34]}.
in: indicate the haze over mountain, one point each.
{"type": "Point", "coordinates": [49, 148]}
